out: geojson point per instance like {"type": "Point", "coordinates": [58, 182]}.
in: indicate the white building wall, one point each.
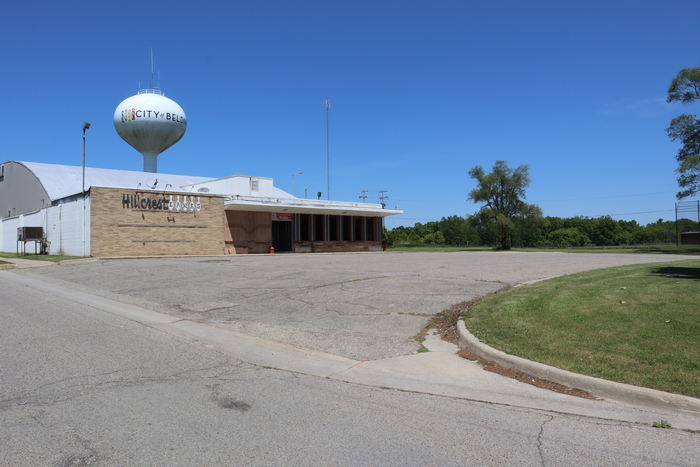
{"type": "Point", "coordinates": [9, 230]}
{"type": "Point", "coordinates": [63, 225]}
{"type": "Point", "coordinates": [241, 185]}
{"type": "Point", "coordinates": [9, 234]}
{"type": "Point", "coordinates": [64, 228]}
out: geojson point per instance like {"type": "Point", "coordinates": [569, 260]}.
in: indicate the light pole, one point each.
{"type": "Point", "coordinates": [294, 182]}
{"type": "Point", "coordinates": [328, 150]}
{"type": "Point", "coordinates": [86, 125]}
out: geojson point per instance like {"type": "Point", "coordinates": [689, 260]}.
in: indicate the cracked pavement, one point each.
{"type": "Point", "coordinates": [83, 387]}
{"type": "Point", "coordinates": [360, 306]}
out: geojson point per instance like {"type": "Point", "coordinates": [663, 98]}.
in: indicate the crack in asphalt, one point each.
{"type": "Point", "coordinates": [33, 398]}
{"type": "Point", "coordinates": [539, 438]}
{"type": "Point", "coordinates": [78, 460]}
{"type": "Point", "coordinates": [331, 284]}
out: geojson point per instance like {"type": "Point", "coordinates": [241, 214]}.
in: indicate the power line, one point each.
{"type": "Point", "coordinates": [606, 197]}
{"type": "Point", "coordinates": [638, 212]}
{"type": "Point", "coordinates": [426, 200]}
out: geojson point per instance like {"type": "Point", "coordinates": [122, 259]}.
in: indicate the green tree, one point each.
{"type": "Point", "coordinates": [685, 129]}
{"type": "Point", "coordinates": [457, 231]}
{"type": "Point", "coordinates": [571, 236]}
{"type": "Point", "coordinates": [503, 191]}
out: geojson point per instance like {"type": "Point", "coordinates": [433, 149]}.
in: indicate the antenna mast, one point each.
{"type": "Point", "coordinates": [328, 151]}
{"type": "Point", "coordinates": [152, 74]}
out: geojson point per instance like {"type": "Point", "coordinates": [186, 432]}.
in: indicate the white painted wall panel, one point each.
{"type": "Point", "coordinates": [9, 234]}
{"type": "Point", "coordinates": [63, 225]}
{"type": "Point", "coordinates": [9, 230]}
{"type": "Point", "coordinates": [64, 228]}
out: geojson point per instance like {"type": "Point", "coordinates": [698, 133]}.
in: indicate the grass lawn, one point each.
{"type": "Point", "coordinates": [439, 248]}
{"type": "Point", "coordinates": [4, 262]}
{"type": "Point", "coordinates": [634, 324]}
{"type": "Point", "coordinates": [646, 249]}
{"type": "Point", "coordinates": [39, 257]}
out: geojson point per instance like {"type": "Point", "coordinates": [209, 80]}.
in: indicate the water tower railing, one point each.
{"type": "Point", "coordinates": [150, 91]}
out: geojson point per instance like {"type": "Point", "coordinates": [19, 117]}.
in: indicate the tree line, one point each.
{"type": "Point", "coordinates": [506, 220]}
{"type": "Point", "coordinates": [534, 231]}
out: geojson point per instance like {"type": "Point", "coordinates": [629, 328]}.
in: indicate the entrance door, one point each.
{"type": "Point", "coordinates": [282, 235]}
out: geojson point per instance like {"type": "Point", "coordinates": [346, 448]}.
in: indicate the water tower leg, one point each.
{"type": "Point", "coordinates": [150, 163]}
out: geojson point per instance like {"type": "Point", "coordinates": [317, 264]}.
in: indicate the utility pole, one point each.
{"type": "Point", "coordinates": [86, 125]}
{"type": "Point", "coordinates": [677, 237]}
{"type": "Point", "coordinates": [328, 150]}
{"type": "Point", "coordinates": [383, 197]}
{"type": "Point", "coordinates": [363, 195]}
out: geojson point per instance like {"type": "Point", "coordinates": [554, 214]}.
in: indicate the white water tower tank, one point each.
{"type": "Point", "coordinates": [150, 123]}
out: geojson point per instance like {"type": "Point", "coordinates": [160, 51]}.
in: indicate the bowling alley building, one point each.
{"type": "Point", "coordinates": [130, 213]}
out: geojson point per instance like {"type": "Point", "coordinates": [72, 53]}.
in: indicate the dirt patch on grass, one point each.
{"type": "Point", "coordinates": [445, 323]}
{"type": "Point", "coordinates": [494, 367]}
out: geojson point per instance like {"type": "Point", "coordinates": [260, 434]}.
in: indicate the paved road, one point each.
{"type": "Point", "coordinates": [79, 386]}
{"type": "Point", "coordinates": [361, 306]}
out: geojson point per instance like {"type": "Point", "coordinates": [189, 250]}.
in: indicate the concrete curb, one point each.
{"type": "Point", "coordinates": [5, 267]}
{"type": "Point", "coordinates": [609, 389]}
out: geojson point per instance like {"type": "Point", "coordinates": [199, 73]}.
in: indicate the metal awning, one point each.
{"type": "Point", "coordinates": [306, 206]}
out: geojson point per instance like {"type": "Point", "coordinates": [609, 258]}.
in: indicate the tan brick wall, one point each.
{"type": "Point", "coordinates": [118, 229]}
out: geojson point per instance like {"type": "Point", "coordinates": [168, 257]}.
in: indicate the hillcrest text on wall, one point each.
{"type": "Point", "coordinates": [128, 222]}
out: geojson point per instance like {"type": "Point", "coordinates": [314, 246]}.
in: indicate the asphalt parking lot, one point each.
{"type": "Point", "coordinates": [363, 306]}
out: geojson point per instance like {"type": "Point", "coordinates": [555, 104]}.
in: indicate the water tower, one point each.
{"type": "Point", "coordinates": [150, 123]}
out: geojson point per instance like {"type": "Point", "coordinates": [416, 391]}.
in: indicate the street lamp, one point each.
{"type": "Point", "coordinates": [294, 182]}
{"type": "Point", "coordinates": [86, 125]}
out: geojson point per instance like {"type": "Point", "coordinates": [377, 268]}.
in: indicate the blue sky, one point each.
{"type": "Point", "coordinates": [421, 91]}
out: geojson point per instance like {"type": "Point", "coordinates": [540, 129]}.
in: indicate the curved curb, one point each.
{"type": "Point", "coordinates": [609, 389]}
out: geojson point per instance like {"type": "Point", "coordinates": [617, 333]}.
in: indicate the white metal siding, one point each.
{"type": "Point", "coordinates": [63, 225]}
{"type": "Point", "coordinates": [64, 228]}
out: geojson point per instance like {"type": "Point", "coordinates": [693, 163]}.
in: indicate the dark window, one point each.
{"type": "Point", "coordinates": [333, 226]}
{"type": "Point", "coordinates": [319, 227]}
{"type": "Point", "coordinates": [304, 227]}
{"type": "Point", "coordinates": [359, 228]}
{"type": "Point", "coordinates": [372, 229]}
{"type": "Point", "coordinates": [2, 173]}
{"type": "Point", "coordinates": [347, 228]}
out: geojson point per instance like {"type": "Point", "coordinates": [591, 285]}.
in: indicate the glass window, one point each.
{"type": "Point", "coordinates": [304, 227]}
{"type": "Point", "coordinates": [319, 227]}
{"type": "Point", "coordinates": [333, 228]}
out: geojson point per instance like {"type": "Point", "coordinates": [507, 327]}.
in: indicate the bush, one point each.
{"type": "Point", "coordinates": [562, 238]}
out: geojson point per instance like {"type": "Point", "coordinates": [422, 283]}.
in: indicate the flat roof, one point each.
{"type": "Point", "coordinates": [306, 206]}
